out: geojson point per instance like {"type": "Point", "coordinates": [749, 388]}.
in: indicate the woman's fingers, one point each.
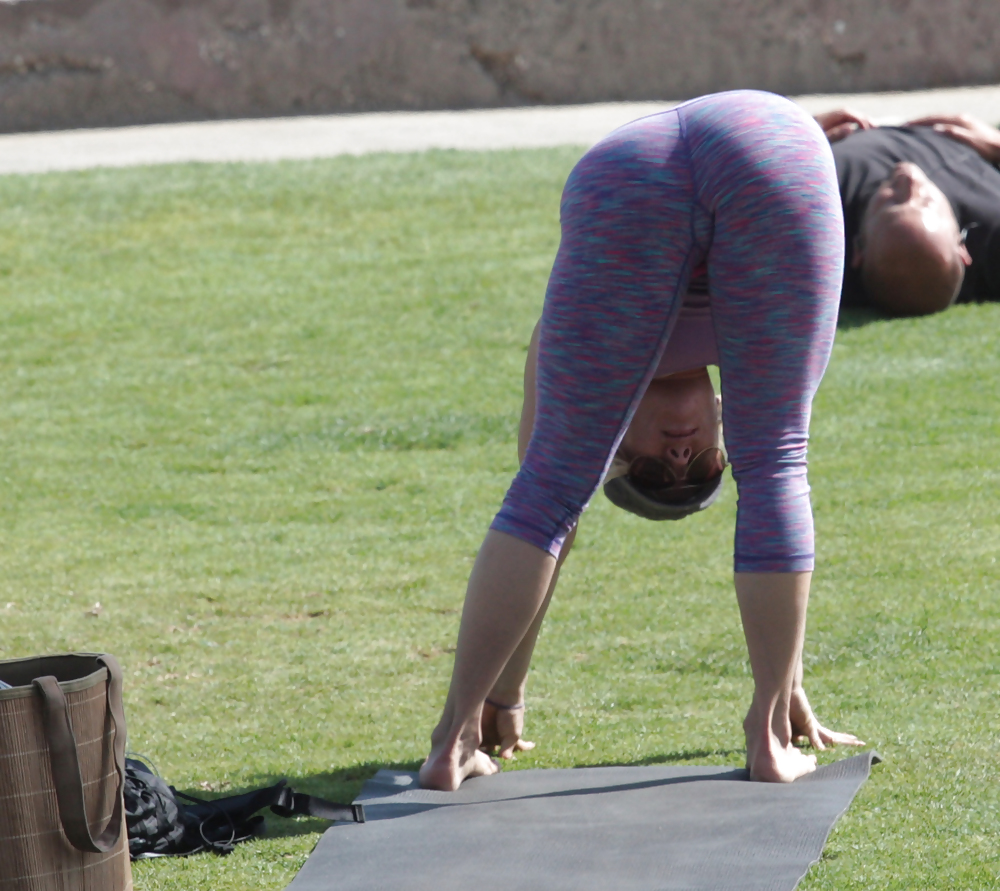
{"type": "Point", "coordinates": [502, 729]}
{"type": "Point", "coordinates": [511, 746]}
{"type": "Point", "coordinates": [806, 730]}
{"type": "Point", "coordinates": [819, 737]}
{"type": "Point", "coordinates": [806, 727]}
{"type": "Point", "coordinates": [510, 726]}
{"type": "Point", "coordinates": [833, 738]}
{"type": "Point", "coordinates": [488, 728]}
{"type": "Point", "coordinates": [816, 737]}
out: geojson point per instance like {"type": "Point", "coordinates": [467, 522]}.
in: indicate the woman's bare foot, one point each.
{"type": "Point", "coordinates": [771, 757]}
{"type": "Point", "coordinates": [454, 757]}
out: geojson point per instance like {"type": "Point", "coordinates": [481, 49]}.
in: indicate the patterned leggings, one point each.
{"type": "Point", "coordinates": [743, 181]}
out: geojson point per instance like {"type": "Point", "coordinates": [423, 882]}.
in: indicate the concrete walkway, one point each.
{"type": "Point", "coordinates": [356, 134]}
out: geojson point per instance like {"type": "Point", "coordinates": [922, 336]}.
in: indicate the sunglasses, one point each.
{"type": "Point", "coordinates": [652, 473]}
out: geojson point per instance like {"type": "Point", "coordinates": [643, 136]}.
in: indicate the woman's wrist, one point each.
{"type": "Point", "coordinates": [503, 696]}
{"type": "Point", "coordinates": [499, 706]}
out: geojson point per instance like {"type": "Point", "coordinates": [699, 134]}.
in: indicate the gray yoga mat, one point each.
{"type": "Point", "coordinates": [587, 829]}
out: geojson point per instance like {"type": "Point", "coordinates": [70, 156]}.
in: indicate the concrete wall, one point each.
{"type": "Point", "coordinates": [83, 63]}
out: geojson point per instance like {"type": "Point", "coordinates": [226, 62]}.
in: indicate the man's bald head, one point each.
{"type": "Point", "coordinates": [910, 249]}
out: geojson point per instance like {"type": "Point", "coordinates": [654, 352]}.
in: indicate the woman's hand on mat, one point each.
{"type": "Point", "coordinates": [806, 727]}
{"type": "Point", "coordinates": [843, 122]}
{"type": "Point", "coordinates": [502, 729]}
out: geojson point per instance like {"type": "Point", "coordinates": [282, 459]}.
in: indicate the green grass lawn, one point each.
{"type": "Point", "coordinates": [264, 414]}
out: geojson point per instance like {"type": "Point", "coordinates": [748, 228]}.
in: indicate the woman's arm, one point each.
{"type": "Point", "coordinates": [502, 728]}
{"type": "Point", "coordinates": [773, 608]}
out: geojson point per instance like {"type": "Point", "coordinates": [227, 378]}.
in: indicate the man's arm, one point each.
{"type": "Point", "coordinates": [966, 129]}
{"type": "Point", "coordinates": [842, 122]}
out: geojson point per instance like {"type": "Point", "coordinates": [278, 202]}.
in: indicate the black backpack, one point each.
{"type": "Point", "coordinates": [163, 822]}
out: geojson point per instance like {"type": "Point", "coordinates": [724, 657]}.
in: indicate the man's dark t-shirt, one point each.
{"type": "Point", "coordinates": [972, 185]}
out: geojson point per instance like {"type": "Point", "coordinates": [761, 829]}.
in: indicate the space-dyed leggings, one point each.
{"type": "Point", "coordinates": [743, 181]}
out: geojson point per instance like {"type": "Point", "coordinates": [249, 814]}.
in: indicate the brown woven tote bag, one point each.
{"type": "Point", "coordinates": [62, 761]}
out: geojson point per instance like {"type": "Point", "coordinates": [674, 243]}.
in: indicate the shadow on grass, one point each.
{"type": "Point", "coordinates": [670, 758]}
{"type": "Point", "coordinates": [340, 786]}
{"type": "Point", "coordinates": [343, 785]}
{"type": "Point", "coordinates": [858, 317]}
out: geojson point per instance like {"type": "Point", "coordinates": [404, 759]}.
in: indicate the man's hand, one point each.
{"type": "Point", "coordinates": [502, 729]}
{"type": "Point", "coordinates": [842, 122]}
{"type": "Point", "coordinates": [967, 129]}
{"type": "Point", "coordinates": [805, 725]}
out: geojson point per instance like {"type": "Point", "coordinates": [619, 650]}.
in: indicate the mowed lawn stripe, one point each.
{"type": "Point", "coordinates": [263, 414]}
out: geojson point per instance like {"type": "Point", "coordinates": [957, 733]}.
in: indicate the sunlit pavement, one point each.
{"type": "Point", "coordinates": [274, 139]}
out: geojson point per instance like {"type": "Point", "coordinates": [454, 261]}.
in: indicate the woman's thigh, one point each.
{"type": "Point", "coordinates": [623, 262]}
{"type": "Point", "coordinates": [765, 173]}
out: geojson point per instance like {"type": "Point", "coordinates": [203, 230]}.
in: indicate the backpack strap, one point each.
{"type": "Point", "coordinates": [291, 804]}
{"type": "Point", "coordinates": [225, 821]}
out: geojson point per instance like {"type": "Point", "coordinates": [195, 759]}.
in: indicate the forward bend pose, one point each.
{"type": "Point", "coordinates": [739, 187]}
{"type": "Point", "coordinates": [921, 209]}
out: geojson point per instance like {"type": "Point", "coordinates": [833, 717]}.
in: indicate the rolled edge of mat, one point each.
{"type": "Point", "coordinates": [855, 767]}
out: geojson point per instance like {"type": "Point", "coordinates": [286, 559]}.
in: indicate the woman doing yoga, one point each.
{"type": "Point", "coordinates": [739, 187]}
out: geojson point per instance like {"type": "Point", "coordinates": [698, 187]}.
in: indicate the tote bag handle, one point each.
{"type": "Point", "coordinates": [66, 763]}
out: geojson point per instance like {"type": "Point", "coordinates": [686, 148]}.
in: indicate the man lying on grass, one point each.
{"type": "Point", "coordinates": [921, 210]}
{"type": "Point", "coordinates": [739, 187]}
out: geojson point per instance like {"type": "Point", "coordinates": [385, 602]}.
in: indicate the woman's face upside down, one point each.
{"type": "Point", "coordinates": [676, 420]}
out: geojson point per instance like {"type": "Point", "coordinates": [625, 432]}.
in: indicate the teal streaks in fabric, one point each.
{"type": "Point", "coordinates": [744, 183]}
